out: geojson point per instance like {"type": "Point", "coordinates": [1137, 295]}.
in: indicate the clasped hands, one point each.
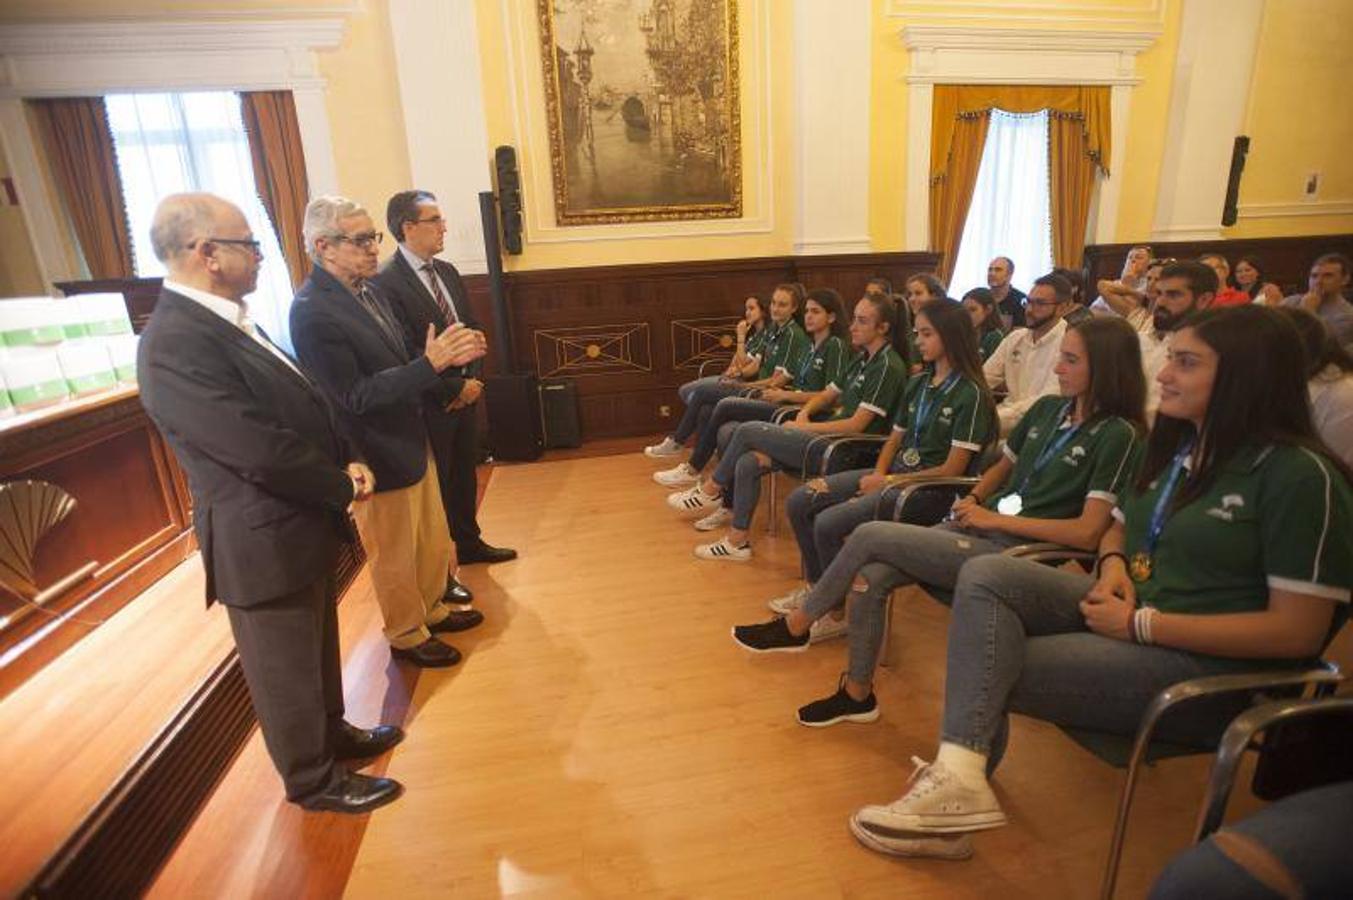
{"type": "Point", "coordinates": [363, 482]}
{"type": "Point", "coordinates": [1109, 606]}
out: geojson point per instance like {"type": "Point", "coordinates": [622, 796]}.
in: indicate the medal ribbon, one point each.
{"type": "Point", "coordinates": [1051, 449]}
{"type": "Point", "coordinates": [1160, 513]}
{"type": "Point", "coordinates": [924, 404]}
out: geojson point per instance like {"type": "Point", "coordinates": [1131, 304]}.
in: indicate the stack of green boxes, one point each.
{"type": "Point", "coordinates": [54, 349]}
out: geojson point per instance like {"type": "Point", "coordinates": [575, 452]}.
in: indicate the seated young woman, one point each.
{"type": "Point", "coordinates": [803, 364]}
{"type": "Point", "coordinates": [981, 307]}
{"type": "Point", "coordinates": [921, 289]}
{"type": "Point", "coordinates": [1060, 474]}
{"type": "Point", "coordinates": [1329, 374]}
{"type": "Point", "coordinates": [1230, 552]}
{"type": "Point", "coordinates": [857, 402]}
{"type": "Point", "coordinates": [945, 417]}
{"type": "Point", "coordinates": [700, 394]}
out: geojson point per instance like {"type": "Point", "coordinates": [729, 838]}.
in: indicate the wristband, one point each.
{"type": "Point", "coordinates": [1099, 563]}
{"type": "Point", "coordinates": [1139, 627]}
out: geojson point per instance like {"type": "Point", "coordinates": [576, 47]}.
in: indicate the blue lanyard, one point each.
{"type": "Point", "coordinates": [923, 406]}
{"type": "Point", "coordinates": [806, 366]}
{"type": "Point", "coordinates": [1161, 511]}
{"type": "Point", "coordinates": [1051, 449]}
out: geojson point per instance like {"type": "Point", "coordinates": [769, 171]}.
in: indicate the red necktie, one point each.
{"type": "Point", "coordinates": [438, 296]}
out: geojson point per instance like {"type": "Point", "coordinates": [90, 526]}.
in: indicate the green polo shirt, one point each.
{"type": "Point", "coordinates": [822, 365]}
{"type": "Point", "coordinates": [873, 382]}
{"type": "Point", "coordinates": [960, 417]}
{"type": "Point", "coordinates": [1098, 462]}
{"type": "Point", "coordinates": [756, 342]}
{"type": "Point", "coordinates": [988, 341]}
{"type": "Point", "coordinates": [785, 350]}
{"type": "Point", "coordinates": [1276, 516]}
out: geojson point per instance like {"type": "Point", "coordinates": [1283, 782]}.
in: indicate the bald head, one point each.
{"type": "Point", "coordinates": [203, 241]}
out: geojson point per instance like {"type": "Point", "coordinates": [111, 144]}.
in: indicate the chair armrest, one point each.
{"type": "Point", "coordinates": [721, 363]}
{"type": "Point", "coordinates": [1239, 736]}
{"type": "Point", "coordinates": [785, 413]}
{"type": "Point", "coordinates": [835, 442]}
{"type": "Point", "coordinates": [953, 483]}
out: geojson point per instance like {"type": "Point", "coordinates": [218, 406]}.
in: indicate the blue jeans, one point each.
{"type": "Point", "coordinates": [888, 555]}
{"type": "Point", "coordinates": [1307, 833]}
{"type": "Point", "coordinates": [739, 472]}
{"type": "Point", "coordinates": [822, 520]}
{"type": "Point", "coordinates": [729, 410]}
{"type": "Point", "coordinates": [1018, 643]}
{"type": "Point", "coordinates": [700, 397]}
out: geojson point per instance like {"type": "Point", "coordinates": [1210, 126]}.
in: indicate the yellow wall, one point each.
{"type": "Point", "coordinates": [19, 274]}
{"type": "Point", "coordinates": [1298, 117]}
{"type": "Point", "coordinates": [533, 148]}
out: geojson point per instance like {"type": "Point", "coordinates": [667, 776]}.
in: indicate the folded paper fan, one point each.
{"type": "Point", "coordinates": [28, 510]}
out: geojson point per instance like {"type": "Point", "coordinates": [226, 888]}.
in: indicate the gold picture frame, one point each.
{"type": "Point", "coordinates": [643, 112]}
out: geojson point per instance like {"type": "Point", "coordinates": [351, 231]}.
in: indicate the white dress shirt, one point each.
{"type": "Point", "coordinates": [236, 314]}
{"type": "Point", "coordinates": [1155, 351]}
{"type": "Point", "coordinates": [1024, 364]}
{"type": "Point", "coordinates": [1332, 410]}
{"type": "Point", "coordinates": [417, 262]}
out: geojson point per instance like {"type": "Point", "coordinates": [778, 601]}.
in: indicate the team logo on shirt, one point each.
{"type": "Point", "coordinates": [1077, 451]}
{"type": "Point", "coordinates": [1229, 504]}
{"type": "Point", "coordinates": [1033, 433]}
{"type": "Point", "coordinates": [947, 414]}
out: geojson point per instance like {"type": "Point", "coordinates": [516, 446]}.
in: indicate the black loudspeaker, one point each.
{"type": "Point", "coordinates": [1239, 151]}
{"type": "Point", "coordinates": [513, 403]}
{"type": "Point", "coordinates": [509, 198]}
{"type": "Point", "coordinates": [559, 413]}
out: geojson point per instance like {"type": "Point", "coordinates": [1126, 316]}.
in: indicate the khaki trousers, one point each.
{"type": "Point", "coordinates": [409, 550]}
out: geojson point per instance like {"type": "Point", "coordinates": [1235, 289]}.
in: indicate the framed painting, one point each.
{"type": "Point", "coordinates": [643, 114]}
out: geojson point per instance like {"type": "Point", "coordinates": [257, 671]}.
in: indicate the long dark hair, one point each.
{"type": "Point", "coordinates": [887, 313]}
{"type": "Point", "coordinates": [902, 312]}
{"type": "Point", "coordinates": [763, 304]}
{"type": "Point", "coordinates": [1322, 347]}
{"type": "Point", "coordinates": [933, 285]}
{"type": "Point", "coordinates": [1117, 382]}
{"type": "Point", "coordinates": [954, 326]}
{"type": "Point", "coordinates": [1254, 289]}
{"type": "Point", "coordinates": [1258, 397]}
{"type": "Point", "coordinates": [830, 301]}
{"type": "Point", "coordinates": [991, 321]}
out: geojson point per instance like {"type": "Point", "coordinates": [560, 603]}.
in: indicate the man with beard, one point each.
{"type": "Point", "coordinates": [1182, 289]}
{"type": "Point", "coordinates": [1023, 363]}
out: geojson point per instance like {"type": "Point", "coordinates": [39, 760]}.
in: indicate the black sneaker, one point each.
{"type": "Point", "coordinates": [839, 707]}
{"type": "Point", "coordinates": [769, 637]}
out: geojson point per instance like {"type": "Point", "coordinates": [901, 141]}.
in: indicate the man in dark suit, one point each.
{"type": "Point", "coordinates": [346, 336]}
{"type": "Point", "coordinates": [272, 478]}
{"type": "Point", "coordinates": [423, 291]}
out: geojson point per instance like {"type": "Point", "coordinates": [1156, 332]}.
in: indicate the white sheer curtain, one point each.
{"type": "Point", "coordinates": [1011, 212]}
{"type": "Point", "coordinates": [168, 143]}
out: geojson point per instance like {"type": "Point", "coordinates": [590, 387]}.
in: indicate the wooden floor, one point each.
{"type": "Point", "coordinates": [604, 737]}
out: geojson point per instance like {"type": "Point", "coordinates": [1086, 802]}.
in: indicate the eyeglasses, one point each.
{"type": "Point", "coordinates": [432, 220]}
{"type": "Point", "coordinates": [253, 246]}
{"type": "Point", "coordinates": [1042, 304]}
{"type": "Point", "coordinates": [369, 239]}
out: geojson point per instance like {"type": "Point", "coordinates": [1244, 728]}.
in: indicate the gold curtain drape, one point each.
{"type": "Point", "coordinates": [279, 170]}
{"type": "Point", "coordinates": [1078, 142]}
{"type": "Point", "coordinates": [78, 145]}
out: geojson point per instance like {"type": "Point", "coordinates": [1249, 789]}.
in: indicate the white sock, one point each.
{"type": "Point", "coordinates": [969, 766]}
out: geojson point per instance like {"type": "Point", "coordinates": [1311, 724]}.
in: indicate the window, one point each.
{"type": "Point", "coordinates": [169, 143]}
{"type": "Point", "coordinates": [1011, 211]}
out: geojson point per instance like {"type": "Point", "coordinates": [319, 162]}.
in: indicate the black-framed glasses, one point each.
{"type": "Point", "coordinates": [430, 220]}
{"type": "Point", "coordinates": [365, 240]}
{"type": "Point", "coordinates": [253, 246]}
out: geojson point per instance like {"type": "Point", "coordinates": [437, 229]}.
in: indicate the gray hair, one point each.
{"type": "Point", "coordinates": [181, 219]}
{"type": "Point", "coordinates": [322, 216]}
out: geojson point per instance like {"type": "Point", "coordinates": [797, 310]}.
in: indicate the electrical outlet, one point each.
{"type": "Point", "coordinates": [1311, 187]}
{"type": "Point", "coordinates": [664, 412]}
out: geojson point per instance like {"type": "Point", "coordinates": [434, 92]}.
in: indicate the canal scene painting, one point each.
{"type": "Point", "coordinates": [642, 100]}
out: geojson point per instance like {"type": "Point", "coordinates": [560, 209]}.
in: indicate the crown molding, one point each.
{"type": "Point", "coordinates": [1285, 210]}
{"type": "Point", "coordinates": [200, 34]}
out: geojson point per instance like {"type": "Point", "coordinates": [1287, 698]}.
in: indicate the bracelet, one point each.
{"type": "Point", "coordinates": [1099, 563]}
{"type": "Point", "coordinates": [1139, 626]}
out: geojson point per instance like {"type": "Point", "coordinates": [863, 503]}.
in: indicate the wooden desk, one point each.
{"type": "Point", "coordinates": [132, 519]}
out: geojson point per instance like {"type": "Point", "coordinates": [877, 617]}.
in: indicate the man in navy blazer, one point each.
{"type": "Point", "coordinates": [423, 291]}
{"type": "Point", "coordinates": [272, 478]}
{"type": "Point", "coordinates": [346, 336]}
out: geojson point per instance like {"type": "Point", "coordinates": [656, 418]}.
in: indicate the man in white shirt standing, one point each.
{"type": "Point", "coordinates": [1023, 363]}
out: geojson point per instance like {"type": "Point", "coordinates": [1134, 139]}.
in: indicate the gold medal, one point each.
{"type": "Point", "coordinates": [911, 457]}
{"type": "Point", "coordinates": [1140, 567]}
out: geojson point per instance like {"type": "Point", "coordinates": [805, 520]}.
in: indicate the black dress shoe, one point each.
{"type": "Point", "coordinates": [431, 654]}
{"type": "Point", "coordinates": [458, 620]}
{"type": "Point", "coordinates": [355, 793]}
{"type": "Point", "coordinates": [352, 742]}
{"type": "Point", "coordinates": [484, 553]}
{"type": "Point", "coordinates": [457, 594]}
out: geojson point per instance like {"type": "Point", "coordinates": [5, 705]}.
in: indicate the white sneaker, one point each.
{"type": "Point", "coordinates": [787, 603]}
{"type": "Point", "coordinates": [693, 501]}
{"type": "Point", "coordinates": [723, 550]}
{"type": "Point", "coordinates": [678, 475]}
{"type": "Point", "coordinates": [936, 802]}
{"type": "Point", "coordinates": [667, 448]}
{"type": "Point", "coordinates": [903, 843]}
{"type": "Point", "coordinates": [717, 519]}
{"type": "Point", "coordinates": [826, 628]}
